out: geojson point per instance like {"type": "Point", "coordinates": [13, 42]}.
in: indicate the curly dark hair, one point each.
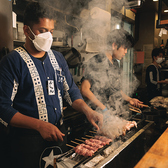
{"type": "Point", "coordinates": [121, 38]}
{"type": "Point", "coordinates": [36, 10]}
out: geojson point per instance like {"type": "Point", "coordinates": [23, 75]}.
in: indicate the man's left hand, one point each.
{"type": "Point", "coordinates": [135, 102]}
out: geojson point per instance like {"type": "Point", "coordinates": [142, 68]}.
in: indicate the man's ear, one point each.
{"type": "Point", "coordinates": [114, 46]}
{"type": "Point", "coordinates": [26, 30]}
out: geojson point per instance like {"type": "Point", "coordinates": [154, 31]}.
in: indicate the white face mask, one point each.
{"type": "Point", "coordinates": [159, 60]}
{"type": "Point", "coordinates": [42, 41]}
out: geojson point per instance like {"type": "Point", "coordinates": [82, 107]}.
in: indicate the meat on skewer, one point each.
{"type": "Point", "coordinates": [97, 141]}
{"type": "Point", "coordinates": [89, 147]}
{"type": "Point", "coordinates": [103, 139]}
{"type": "Point", "coordinates": [94, 144]}
{"type": "Point", "coordinates": [128, 126]}
{"type": "Point", "coordinates": [81, 150]}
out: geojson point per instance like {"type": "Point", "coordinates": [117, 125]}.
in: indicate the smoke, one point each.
{"type": "Point", "coordinates": [94, 18]}
{"type": "Point", "coordinates": [112, 125]}
{"type": "Point", "coordinates": [90, 22]}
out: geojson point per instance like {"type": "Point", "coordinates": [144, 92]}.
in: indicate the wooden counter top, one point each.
{"type": "Point", "coordinates": [157, 156]}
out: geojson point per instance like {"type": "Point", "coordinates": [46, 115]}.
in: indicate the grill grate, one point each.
{"type": "Point", "coordinates": [122, 142]}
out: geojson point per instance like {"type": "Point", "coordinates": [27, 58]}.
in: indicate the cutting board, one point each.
{"type": "Point", "coordinates": [157, 156]}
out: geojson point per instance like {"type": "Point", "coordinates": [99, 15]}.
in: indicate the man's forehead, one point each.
{"type": "Point", "coordinates": [160, 54]}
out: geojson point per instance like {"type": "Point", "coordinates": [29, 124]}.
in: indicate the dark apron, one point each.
{"type": "Point", "coordinates": [28, 148]}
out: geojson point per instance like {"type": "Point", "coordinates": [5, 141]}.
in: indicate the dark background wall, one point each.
{"type": "Point", "coordinates": [6, 29]}
{"type": "Point", "coordinates": [6, 40]}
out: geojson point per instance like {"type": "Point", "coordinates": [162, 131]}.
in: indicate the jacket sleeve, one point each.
{"type": "Point", "coordinates": [151, 75]}
{"type": "Point", "coordinates": [151, 78]}
{"type": "Point", "coordinates": [8, 88]}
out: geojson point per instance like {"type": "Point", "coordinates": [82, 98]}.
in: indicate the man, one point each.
{"type": "Point", "coordinates": [153, 80]}
{"type": "Point", "coordinates": [33, 82]}
{"type": "Point", "coordinates": [101, 83]}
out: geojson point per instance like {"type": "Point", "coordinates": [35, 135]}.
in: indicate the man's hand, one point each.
{"type": "Point", "coordinates": [163, 81]}
{"type": "Point", "coordinates": [91, 115]}
{"type": "Point", "coordinates": [94, 116]}
{"type": "Point", "coordinates": [135, 102]}
{"type": "Point", "coordinates": [49, 131]}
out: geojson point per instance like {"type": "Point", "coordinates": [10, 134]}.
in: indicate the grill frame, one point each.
{"type": "Point", "coordinates": [114, 154]}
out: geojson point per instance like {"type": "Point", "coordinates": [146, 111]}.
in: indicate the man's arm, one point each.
{"type": "Point", "coordinates": [163, 82]}
{"type": "Point", "coordinates": [132, 101]}
{"type": "Point", "coordinates": [91, 115]}
{"type": "Point", "coordinates": [85, 90]}
{"type": "Point", "coordinates": [47, 130]}
{"type": "Point", "coordinates": [156, 82]}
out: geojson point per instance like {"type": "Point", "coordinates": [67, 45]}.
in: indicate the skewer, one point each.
{"type": "Point", "coordinates": [55, 166]}
{"type": "Point", "coordinates": [134, 110]}
{"type": "Point", "coordinates": [144, 105]}
{"type": "Point", "coordinates": [75, 142]}
{"type": "Point", "coordinates": [70, 146]}
{"type": "Point", "coordinates": [89, 136]}
{"type": "Point", "coordinates": [79, 140]}
{"type": "Point", "coordinates": [84, 138]}
{"type": "Point", "coordinates": [133, 107]}
{"type": "Point", "coordinates": [65, 154]}
{"type": "Point", "coordinates": [93, 131]}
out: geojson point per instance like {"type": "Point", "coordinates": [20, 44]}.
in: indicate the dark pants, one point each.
{"type": "Point", "coordinates": [28, 148]}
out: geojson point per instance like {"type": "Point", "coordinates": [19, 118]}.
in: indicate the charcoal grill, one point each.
{"type": "Point", "coordinates": [119, 149]}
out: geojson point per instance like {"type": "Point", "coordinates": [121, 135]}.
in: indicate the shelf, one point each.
{"type": "Point", "coordinates": [18, 43]}
{"type": "Point", "coordinates": [164, 22]}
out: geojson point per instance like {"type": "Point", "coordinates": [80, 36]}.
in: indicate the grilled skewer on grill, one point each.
{"type": "Point", "coordinates": [90, 146]}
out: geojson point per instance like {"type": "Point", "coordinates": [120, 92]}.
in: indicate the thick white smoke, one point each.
{"type": "Point", "coordinates": [90, 28]}
{"type": "Point", "coordinates": [112, 125]}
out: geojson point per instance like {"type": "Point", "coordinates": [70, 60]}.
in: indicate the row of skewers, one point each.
{"type": "Point", "coordinates": [90, 145]}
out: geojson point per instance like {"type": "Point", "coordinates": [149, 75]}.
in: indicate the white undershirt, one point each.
{"type": "Point", "coordinates": [151, 76]}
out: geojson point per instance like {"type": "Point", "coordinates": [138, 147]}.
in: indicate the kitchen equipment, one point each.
{"type": "Point", "coordinates": [128, 148]}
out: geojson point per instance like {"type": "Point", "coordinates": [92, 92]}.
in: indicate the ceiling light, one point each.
{"type": "Point", "coordinates": [166, 10]}
{"type": "Point", "coordinates": [155, 0]}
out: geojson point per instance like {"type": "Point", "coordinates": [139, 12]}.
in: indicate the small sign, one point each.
{"type": "Point", "coordinates": [51, 90]}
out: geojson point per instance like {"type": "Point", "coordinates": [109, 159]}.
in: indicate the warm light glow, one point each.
{"type": "Point", "coordinates": [155, 0]}
{"type": "Point", "coordinates": [117, 26]}
{"type": "Point", "coordinates": [166, 10]}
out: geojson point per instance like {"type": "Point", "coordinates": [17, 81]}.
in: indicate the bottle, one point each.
{"type": "Point", "coordinates": [162, 45]}
{"type": "Point", "coordinates": [166, 49]}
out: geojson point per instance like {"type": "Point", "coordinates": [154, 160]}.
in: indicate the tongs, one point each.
{"type": "Point", "coordinates": [144, 105]}
{"type": "Point", "coordinates": [135, 109]}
